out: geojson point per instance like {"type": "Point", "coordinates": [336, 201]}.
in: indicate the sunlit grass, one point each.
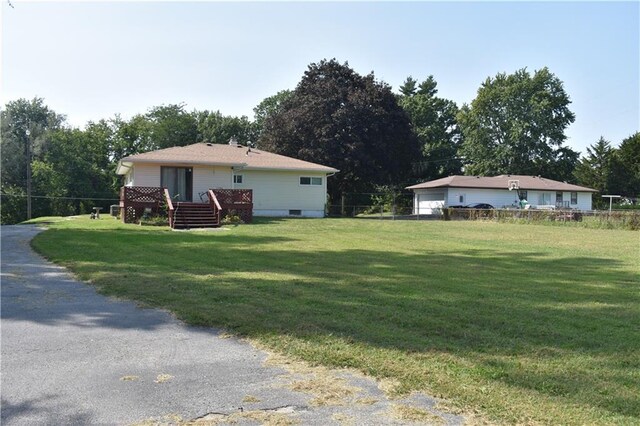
{"type": "Point", "coordinates": [522, 323]}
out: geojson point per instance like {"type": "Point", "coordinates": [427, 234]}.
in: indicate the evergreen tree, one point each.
{"type": "Point", "coordinates": [434, 124]}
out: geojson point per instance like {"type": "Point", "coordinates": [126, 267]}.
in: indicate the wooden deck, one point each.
{"type": "Point", "coordinates": [135, 200]}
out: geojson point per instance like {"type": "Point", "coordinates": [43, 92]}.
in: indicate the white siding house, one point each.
{"type": "Point", "coordinates": [282, 186]}
{"type": "Point", "coordinates": [430, 197]}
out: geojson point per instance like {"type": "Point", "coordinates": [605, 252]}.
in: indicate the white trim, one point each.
{"type": "Point", "coordinates": [311, 178]}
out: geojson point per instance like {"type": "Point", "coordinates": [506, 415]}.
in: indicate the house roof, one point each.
{"type": "Point", "coordinates": [222, 155]}
{"type": "Point", "coordinates": [501, 182]}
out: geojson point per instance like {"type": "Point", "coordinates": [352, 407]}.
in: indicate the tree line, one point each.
{"type": "Point", "coordinates": [378, 139]}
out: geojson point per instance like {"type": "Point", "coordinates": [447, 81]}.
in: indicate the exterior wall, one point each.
{"type": "Point", "coordinates": [535, 198]}
{"type": "Point", "coordinates": [145, 175]}
{"type": "Point", "coordinates": [429, 201]}
{"type": "Point", "coordinates": [209, 177]}
{"type": "Point", "coordinates": [277, 192]}
{"type": "Point", "coordinates": [204, 178]}
{"type": "Point", "coordinates": [498, 198]}
{"type": "Point", "coordinates": [128, 178]}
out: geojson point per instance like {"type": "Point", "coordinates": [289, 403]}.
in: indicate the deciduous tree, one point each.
{"type": "Point", "coordinates": [269, 106]}
{"type": "Point", "coordinates": [217, 128]}
{"type": "Point", "coordinates": [351, 122]}
{"type": "Point", "coordinates": [16, 118]}
{"type": "Point", "coordinates": [515, 124]}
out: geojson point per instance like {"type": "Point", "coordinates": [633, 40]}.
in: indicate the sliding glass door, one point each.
{"type": "Point", "coordinates": [179, 182]}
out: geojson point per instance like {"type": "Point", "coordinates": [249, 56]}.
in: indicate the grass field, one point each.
{"type": "Point", "coordinates": [519, 323]}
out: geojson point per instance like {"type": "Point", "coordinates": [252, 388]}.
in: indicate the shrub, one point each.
{"type": "Point", "coordinates": [232, 218]}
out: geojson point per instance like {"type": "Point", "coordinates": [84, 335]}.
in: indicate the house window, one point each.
{"type": "Point", "coordinates": [545, 199]}
{"type": "Point", "coordinates": [295, 212]}
{"type": "Point", "coordinates": [461, 198]}
{"type": "Point", "coordinates": [522, 195]}
{"type": "Point", "coordinates": [305, 180]}
{"type": "Point", "coordinates": [237, 178]}
{"type": "Point", "coordinates": [559, 197]}
{"type": "Point", "coordinates": [574, 198]}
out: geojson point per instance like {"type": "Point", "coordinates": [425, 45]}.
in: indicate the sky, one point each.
{"type": "Point", "coordinates": [91, 60]}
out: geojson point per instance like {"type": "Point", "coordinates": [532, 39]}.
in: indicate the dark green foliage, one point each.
{"type": "Point", "coordinates": [16, 118]}
{"type": "Point", "coordinates": [171, 126]}
{"type": "Point", "coordinates": [217, 128]}
{"type": "Point", "coordinates": [408, 88]}
{"type": "Point", "coordinates": [626, 165]}
{"type": "Point", "coordinates": [594, 169]}
{"type": "Point", "coordinates": [516, 125]}
{"type": "Point", "coordinates": [344, 120]}
{"type": "Point", "coordinates": [611, 171]}
{"type": "Point", "coordinates": [268, 107]}
{"type": "Point", "coordinates": [435, 125]}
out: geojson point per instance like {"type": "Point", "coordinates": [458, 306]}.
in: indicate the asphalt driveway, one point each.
{"type": "Point", "coordinates": [72, 356]}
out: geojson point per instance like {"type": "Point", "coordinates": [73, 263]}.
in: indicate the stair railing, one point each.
{"type": "Point", "coordinates": [215, 205]}
{"type": "Point", "coordinates": [170, 209]}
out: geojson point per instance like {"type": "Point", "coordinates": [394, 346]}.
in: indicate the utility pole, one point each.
{"type": "Point", "coordinates": [28, 133]}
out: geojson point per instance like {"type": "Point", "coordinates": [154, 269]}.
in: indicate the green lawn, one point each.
{"type": "Point", "coordinates": [519, 323]}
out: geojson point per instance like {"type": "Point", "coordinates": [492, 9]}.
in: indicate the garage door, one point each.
{"type": "Point", "coordinates": [430, 203]}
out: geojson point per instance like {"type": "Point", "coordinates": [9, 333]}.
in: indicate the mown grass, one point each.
{"type": "Point", "coordinates": [520, 323]}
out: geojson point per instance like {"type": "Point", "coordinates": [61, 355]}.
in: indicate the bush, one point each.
{"type": "Point", "coordinates": [154, 220]}
{"type": "Point", "coordinates": [232, 218]}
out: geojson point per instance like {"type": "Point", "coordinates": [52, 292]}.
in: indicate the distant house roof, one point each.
{"type": "Point", "coordinates": [501, 182]}
{"type": "Point", "coordinates": [222, 155]}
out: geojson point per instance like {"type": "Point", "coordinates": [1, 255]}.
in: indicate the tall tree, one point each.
{"type": "Point", "coordinates": [269, 106]}
{"type": "Point", "coordinates": [408, 88]}
{"type": "Point", "coordinates": [428, 87]}
{"type": "Point", "coordinates": [348, 121]}
{"type": "Point", "coordinates": [561, 166]}
{"type": "Point", "coordinates": [626, 166]}
{"type": "Point", "coordinates": [435, 125]}
{"type": "Point", "coordinates": [217, 128]}
{"type": "Point", "coordinates": [171, 126]}
{"type": "Point", "coordinates": [515, 124]}
{"type": "Point", "coordinates": [594, 170]}
{"type": "Point", "coordinates": [130, 137]}
{"type": "Point", "coordinates": [16, 118]}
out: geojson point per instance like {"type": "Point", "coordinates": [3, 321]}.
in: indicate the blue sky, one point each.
{"type": "Point", "coordinates": [91, 60]}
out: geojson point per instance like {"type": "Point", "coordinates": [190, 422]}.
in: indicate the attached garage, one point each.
{"type": "Point", "coordinates": [429, 202]}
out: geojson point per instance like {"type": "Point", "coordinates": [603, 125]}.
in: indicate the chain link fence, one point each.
{"type": "Point", "coordinates": [399, 206]}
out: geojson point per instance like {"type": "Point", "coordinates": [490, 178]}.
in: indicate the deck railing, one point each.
{"type": "Point", "coordinates": [170, 209]}
{"type": "Point", "coordinates": [236, 201]}
{"type": "Point", "coordinates": [135, 199]}
{"type": "Point", "coordinates": [215, 205]}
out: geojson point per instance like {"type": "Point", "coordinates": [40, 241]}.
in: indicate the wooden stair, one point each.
{"type": "Point", "coordinates": [194, 215]}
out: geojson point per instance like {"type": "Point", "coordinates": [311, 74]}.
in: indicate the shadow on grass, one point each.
{"type": "Point", "coordinates": [492, 308]}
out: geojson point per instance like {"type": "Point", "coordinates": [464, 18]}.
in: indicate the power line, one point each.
{"type": "Point", "coordinates": [60, 198]}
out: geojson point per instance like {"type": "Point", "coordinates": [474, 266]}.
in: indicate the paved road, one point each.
{"type": "Point", "coordinates": [71, 356]}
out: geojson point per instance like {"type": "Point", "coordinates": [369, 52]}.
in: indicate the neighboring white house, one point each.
{"type": "Point", "coordinates": [282, 186]}
{"type": "Point", "coordinates": [430, 197]}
